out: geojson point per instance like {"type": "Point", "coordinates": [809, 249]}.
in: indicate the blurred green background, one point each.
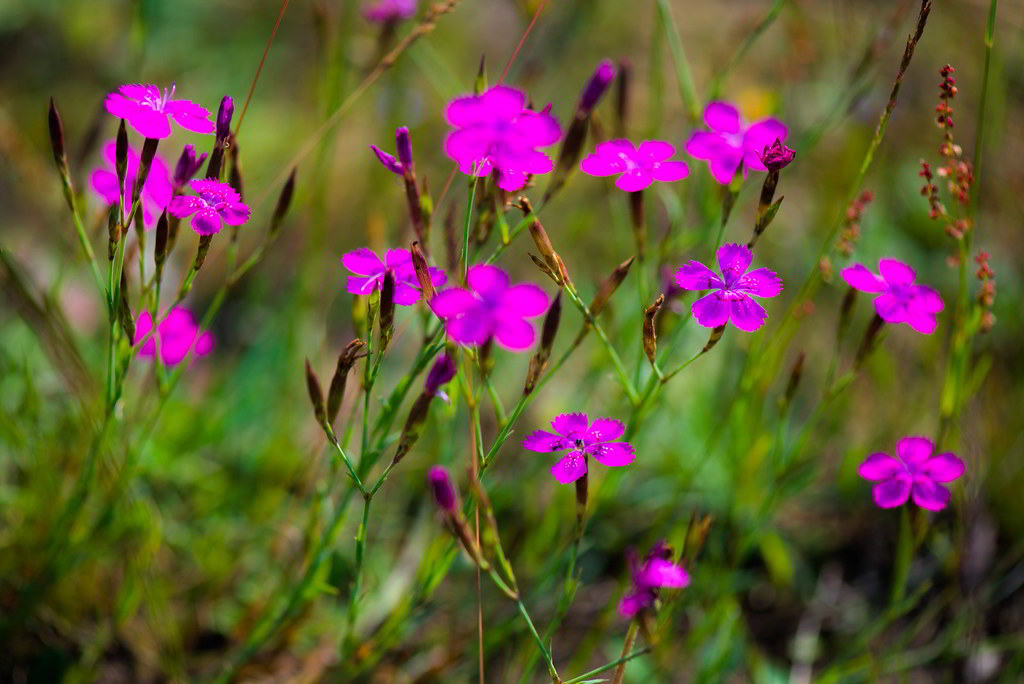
{"type": "Point", "coordinates": [166, 578]}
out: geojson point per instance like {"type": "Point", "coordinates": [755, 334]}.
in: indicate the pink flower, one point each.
{"type": "Point", "coordinates": [573, 431]}
{"type": "Point", "coordinates": [386, 11]}
{"type": "Point", "coordinates": [214, 204]}
{"type": "Point", "coordinates": [175, 337]}
{"type": "Point", "coordinates": [731, 299]}
{"type": "Point", "coordinates": [899, 300]}
{"type": "Point", "coordinates": [731, 141]}
{"type": "Point", "coordinates": [491, 309]}
{"type": "Point", "coordinates": [149, 111]}
{"type": "Point", "coordinates": [495, 130]}
{"type": "Point", "coordinates": [656, 571]}
{"type": "Point", "coordinates": [915, 473]}
{"type": "Point", "coordinates": [639, 166]}
{"type": "Point", "coordinates": [156, 192]}
{"type": "Point", "coordinates": [370, 272]}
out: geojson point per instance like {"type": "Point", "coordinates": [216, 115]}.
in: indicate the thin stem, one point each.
{"type": "Point", "coordinates": [467, 223]}
{"type": "Point", "coordinates": [620, 369]}
{"type": "Point", "coordinates": [627, 646]}
{"type": "Point", "coordinates": [604, 668]}
{"type": "Point", "coordinates": [353, 609]}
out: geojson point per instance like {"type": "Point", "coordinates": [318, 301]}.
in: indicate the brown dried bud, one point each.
{"type": "Point", "coordinates": [609, 286]}
{"type": "Point", "coordinates": [419, 262]}
{"type": "Point", "coordinates": [650, 336]}
{"type": "Point", "coordinates": [546, 249]}
{"type": "Point", "coordinates": [316, 396]}
{"type": "Point", "coordinates": [336, 392]}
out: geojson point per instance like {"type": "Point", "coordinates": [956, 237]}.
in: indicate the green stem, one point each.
{"type": "Point", "coordinates": [353, 605]}
{"type": "Point", "coordinates": [604, 668]}
{"type": "Point", "coordinates": [620, 369]}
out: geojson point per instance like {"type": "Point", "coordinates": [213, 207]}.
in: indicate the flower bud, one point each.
{"type": "Point", "coordinates": [235, 177]}
{"type": "Point", "coordinates": [160, 246]}
{"type": "Point", "coordinates": [794, 379]}
{"type": "Point", "coordinates": [547, 251]}
{"type": "Point", "coordinates": [777, 156]}
{"type": "Point", "coordinates": [316, 396]}
{"type": "Point", "coordinates": [145, 162]}
{"type": "Point", "coordinates": [389, 162]}
{"type": "Point", "coordinates": [124, 311]}
{"type": "Point", "coordinates": [596, 86]}
{"type": "Point", "coordinates": [716, 334]}
{"type": "Point", "coordinates": [113, 230]}
{"type": "Point", "coordinates": [202, 251]}
{"type": "Point", "coordinates": [224, 114]}
{"type": "Point", "coordinates": [336, 392]}
{"type": "Point", "coordinates": [609, 286]}
{"type": "Point", "coordinates": [419, 263]}
{"type": "Point", "coordinates": [845, 311]}
{"type": "Point", "coordinates": [57, 139]}
{"type": "Point", "coordinates": [650, 336]}
{"type": "Point", "coordinates": [869, 341]}
{"type": "Point", "coordinates": [284, 201]}
{"type": "Point", "coordinates": [622, 97]}
{"type": "Point", "coordinates": [443, 489]}
{"type": "Point", "coordinates": [404, 147]}
{"type": "Point", "coordinates": [440, 374]}
{"type": "Point", "coordinates": [121, 155]}
{"type": "Point", "coordinates": [187, 167]}
{"type": "Point", "coordinates": [547, 341]}
{"type": "Point", "coordinates": [386, 323]}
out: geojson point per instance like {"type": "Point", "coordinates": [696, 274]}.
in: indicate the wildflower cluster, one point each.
{"type": "Point", "coordinates": [987, 296]}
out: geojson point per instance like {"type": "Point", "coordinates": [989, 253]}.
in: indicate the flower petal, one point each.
{"type": "Point", "coordinates": [670, 171]}
{"type": "Point", "coordinates": [694, 275]}
{"type": "Point", "coordinates": [605, 430]}
{"type": "Point", "coordinates": [514, 333]}
{"type": "Point", "coordinates": [892, 493]}
{"type": "Point", "coordinates": [452, 302]}
{"type": "Point", "coordinates": [896, 272]}
{"type": "Point", "coordinates": [656, 150]}
{"type": "Point", "coordinates": [930, 495]}
{"type": "Point", "coordinates": [405, 294]}
{"type": "Point", "coordinates": [635, 601]}
{"type": "Point", "coordinates": [915, 450]}
{"type": "Point", "coordinates": [190, 116]}
{"type": "Point", "coordinates": [613, 453]}
{"type": "Point", "coordinates": [860, 277]}
{"type": "Point", "coordinates": [544, 442]}
{"type": "Point", "coordinates": [762, 134]}
{"type": "Point", "coordinates": [891, 308]}
{"type": "Point", "coordinates": [570, 468]}
{"type": "Point", "coordinates": [235, 214]}
{"type": "Point", "coordinates": [633, 180]}
{"type": "Point", "coordinates": [597, 164]}
{"type": "Point", "coordinates": [363, 261]}
{"type": "Point", "coordinates": [474, 327]}
{"type": "Point", "coordinates": [746, 314]}
{"type": "Point", "coordinates": [927, 299]}
{"type": "Point", "coordinates": [572, 425]}
{"type": "Point", "coordinates": [734, 259]}
{"type": "Point", "coordinates": [658, 572]}
{"type": "Point", "coordinates": [206, 222]}
{"type": "Point", "coordinates": [524, 300]}
{"type": "Point", "coordinates": [722, 117]}
{"type": "Point", "coordinates": [725, 165]}
{"type": "Point", "coordinates": [922, 321]}
{"type": "Point", "coordinates": [706, 145]}
{"type": "Point", "coordinates": [761, 282]}
{"type": "Point", "coordinates": [711, 310]}
{"type": "Point", "coordinates": [945, 467]}
{"type": "Point", "coordinates": [880, 466]}
{"type": "Point", "coordinates": [362, 286]}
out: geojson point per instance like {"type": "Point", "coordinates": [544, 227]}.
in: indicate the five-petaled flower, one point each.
{"type": "Point", "coordinates": [176, 335]}
{"type": "Point", "coordinates": [491, 308]}
{"type": "Point", "coordinates": [574, 432]}
{"type": "Point", "coordinates": [214, 204]}
{"type": "Point", "coordinates": [899, 300]}
{"type": "Point", "coordinates": [149, 111]}
{"type": "Point", "coordinates": [156, 192]}
{"type": "Point", "coordinates": [917, 472]}
{"type": "Point", "coordinates": [732, 142]}
{"type": "Point", "coordinates": [731, 299]}
{"type": "Point", "coordinates": [656, 571]}
{"type": "Point", "coordinates": [370, 272]}
{"type": "Point", "coordinates": [639, 166]}
{"type": "Point", "coordinates": [495, 131]}
{"type": "Point", "coordinates": [390, 11]}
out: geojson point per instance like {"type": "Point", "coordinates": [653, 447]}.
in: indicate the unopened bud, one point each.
{"type": "Point", "coordinates": [235, 177]}
{"type": "Point", "coordinates": [413, 428]}
{"type": "Point", "coordinates": [547, 251]}
{"type": "Point", "coordinates": [777, 156]}
{"type": "Point", "coordinates": [622, 97]}
{"type": "Point", "coordinates": [443, 489]}
{"type": "Point", "coordinates": [113, 230]}
{"type": "Point", "coordinates": [124, 311]}
{"type": "Point", "coordinates": [846, 311]}
{"type": "Point", "coordinates": [404, 146]}
{"type": "Point", "coordinates": [716, 334]}
{"type": "Point", "coordinates": [121, 155]}
{"type": "Point", "coordinates": [441, 373]}
{"type": "Point", "coordinates": [202, 251]}
{"type": "Point", "coordinates": [57, 139]}
{"type": "Point", "coordinates": [609, 286]}
{"type": "Point", "coordinates": [794, 379]}
{"type": "Point", "coordinates": [869, 341]}
{"type": "Point", "coordinates": [386, 323]}
{"type": "Point", "coordinates": [284, 201]}
{"type": "Point", "coordinates": [187, 167]}
{"type": "Point", "coordinates": [224, 114]}
{"type": "Point", "coordinates": [145, 163]}
{"type": "Point", "coordinates": [596, 86]}
{"type": "Point", "coordinates": [160, 244]}
{"type": "Point", "coordinates": [547, 342]}
{"type": "Point", "coordinates": [336, 392]}
{"type": "Point", "coordinates": [316, 396]}
{"type": "Point", "coordinates": [419, 263]}
{"type": "Point", "coordinates": [650, 336]}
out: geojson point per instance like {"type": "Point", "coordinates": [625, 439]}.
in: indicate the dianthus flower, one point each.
{"type": "Point", "coordinates": [214, 204]}
{"type": "Point", "coordinates": [156, 192]}
{"type": "Point", "coordinates": [389, 11]}
{"type": "Point", "coordinates": [917, 472]}
{"type": "Point", "coordinates": [573, 431]}
{"type": "Point", "coordinates": [899, 300]}
{"type": "Point", "coordinates": [370, 272]}
{"type": "Point", "coordinates": [639, 166]}
{"type": "Point", "coordinates": [149, 111]}
{"type": "Point", "coordinates": [731, 299]}
{"type": "Point", "coordinates": [656, 571]}
{"type": "Point", "coordinates": [731, 141]}
{"type": "Point", "coordinates": [495, 131]}
{"type": "Point", "coordinates": [187, 167]}
{"type": "Point", "coordinates": [176, 335]}
{"type": "Point", "coordinates": [491, 308]}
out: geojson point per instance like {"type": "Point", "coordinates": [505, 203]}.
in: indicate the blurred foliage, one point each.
{"type": "Point", "coordinates": [164, 577]}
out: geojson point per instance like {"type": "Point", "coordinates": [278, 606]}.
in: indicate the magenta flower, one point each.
{"type": "Point", "coordinates": [404, 147]}
{"type": "Point", "coordinates": [149, 111]}
{"type": "Point", "coordinates": [731, 299]}
{"type": "Point", "coordinates": [639, 166]}
{"type": "Point", "coordinates": [177, 334]}
{"type": "Point", "coordinates": [187, 167]}
{"type": "Point", "coordinates": [583, 439]}
{"type": "Point", "coordinates": [491, 309]}
{"type": "Point", "coordinates": [388, 11]}
{"type": "Point", "coordinates": [915, 473]}
{"type": "Point", "coordinates": [156, 192]}
{"type": "Point", "coordinates": [370, 272]}
{"type": "Point", "coordinates": [732, 142]}
{"type": "Point", "coordinates": [656, 571]}
{"type": "Point", "coordinates": [899, 300]}
{"type": "Point", "coordinates": [495, 131]}
{"type": "Point", "coordinates": [214, 204]}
